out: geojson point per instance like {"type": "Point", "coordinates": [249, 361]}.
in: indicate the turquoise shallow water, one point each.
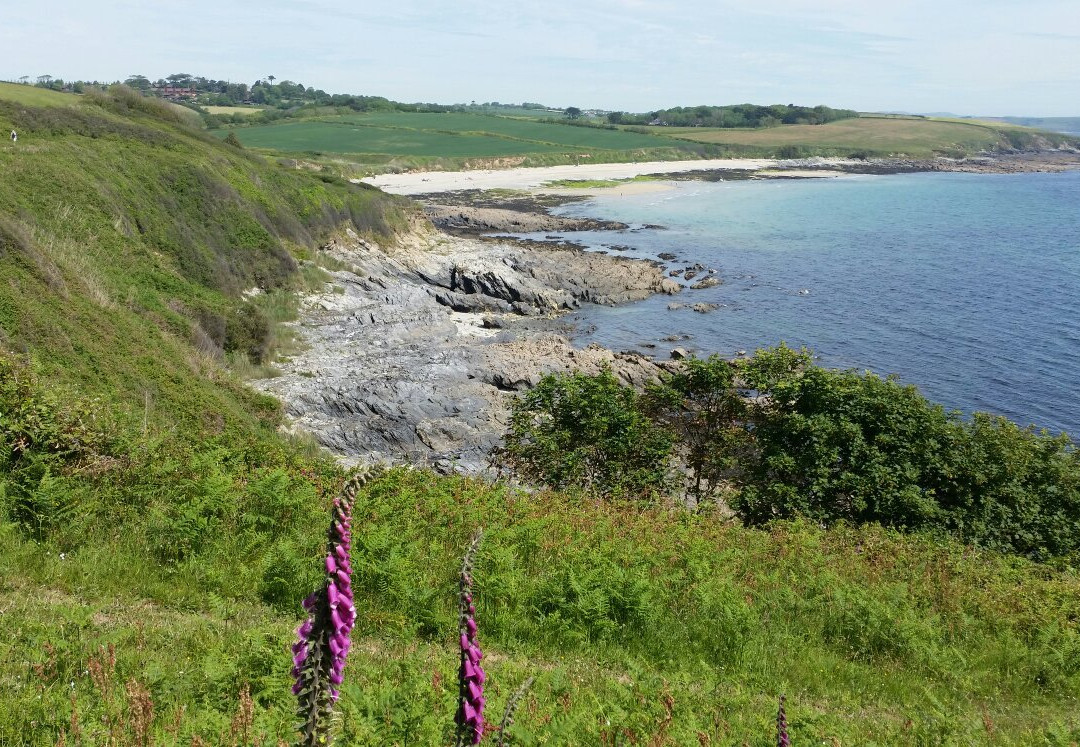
{"type": "Point", "coordinates": [963, 284]}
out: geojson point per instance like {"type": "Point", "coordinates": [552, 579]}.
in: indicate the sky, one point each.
{"type": "Point", "coordinates": [980, 57]}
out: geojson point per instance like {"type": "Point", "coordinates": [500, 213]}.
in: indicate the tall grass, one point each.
{"type": "Point", "coordinates": [638, 625]}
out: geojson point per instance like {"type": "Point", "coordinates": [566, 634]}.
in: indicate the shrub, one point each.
{"type": "Point", "coordinates": [787, 438]}
{"type": "Point", "coordinates": [702, 407]}
{"type": "Point", "coordinates": [587, 432]}
{"type": "Point", "coordinates": [842, 445]}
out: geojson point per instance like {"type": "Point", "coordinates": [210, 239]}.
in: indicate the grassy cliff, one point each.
{"type": "Point", "coordinates": [877, 136]}
{"type": "Point", "coordinates": [157, 533]}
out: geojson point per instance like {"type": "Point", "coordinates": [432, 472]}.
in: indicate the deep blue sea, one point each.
{"type": "Point", "coordinates": [967, 285]}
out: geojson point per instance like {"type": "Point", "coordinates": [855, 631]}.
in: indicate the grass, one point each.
{"type": "Point", "coordinates": [344, 137]}
{"type": "Point", "coordinates": [916, 137]}
{"type": "Point", "coordinates": [157, 532]}
{"type": "Point", "coordinates": [401, 140]}
{"type": "Point", "coordinates": [378, 138]}
{"type": "Point", "coordinates": [34, 96]}
{"type": "Point", "coordinates": [527, 130]}
{"type": "Point", "coordinates": [659, 627]}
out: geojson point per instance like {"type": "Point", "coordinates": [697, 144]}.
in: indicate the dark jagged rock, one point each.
{"type": "Point", "coordinates": [709, 282]}
{"type": "Point", "coordinates": [413, 356]}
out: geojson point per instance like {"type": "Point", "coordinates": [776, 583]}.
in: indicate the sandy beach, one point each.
{"type": "Point", "coordinates": [533, 177]}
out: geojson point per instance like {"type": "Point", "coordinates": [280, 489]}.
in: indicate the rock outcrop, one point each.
{"type": "Point", "coordinates": [470, 219]}
{"type": "Point", "coordinates": [413, 353]}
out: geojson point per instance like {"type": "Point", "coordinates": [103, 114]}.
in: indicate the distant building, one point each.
{"type": "Point", "coordinates": [174, 93]}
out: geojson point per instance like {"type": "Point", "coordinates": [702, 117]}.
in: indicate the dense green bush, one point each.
{"type": "Point", "coordinates": [703, 409]}
{"type": "Point", "coordinates": [587, 432]}
{"type": "Point", "coordinates": [779, 438]}
{"type": "Point", "coordinates": [842, 445]}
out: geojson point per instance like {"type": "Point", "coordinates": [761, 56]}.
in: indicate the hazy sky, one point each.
{"type": "Point", "coordinates": [991, 57]}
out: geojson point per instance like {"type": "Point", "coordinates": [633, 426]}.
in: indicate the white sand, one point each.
{"type": "Point", "coordinates": [530, 178]}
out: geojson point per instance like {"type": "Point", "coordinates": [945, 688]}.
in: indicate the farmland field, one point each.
{"type": "Point", "coordinates": [346, 138]}
{"type": "Point", "coordinates": [530, 130]}
{"type": "Point", "coordinates": [233, 109]}
{"type": "Point", "coordinates": [912, 136]}
{"type": "Point", "coordinates": [442, 135]}
{"type": "Point", "coordinates": [450, 137]}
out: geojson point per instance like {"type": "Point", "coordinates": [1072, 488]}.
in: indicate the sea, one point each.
{"type": "Point", "coordinates": [966, 285]}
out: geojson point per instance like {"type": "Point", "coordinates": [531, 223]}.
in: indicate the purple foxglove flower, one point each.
{"type": "Point", "coordinates": [319, 654]}
{"type": "Point", "coordinates": [782, 739]}
{"type": "Point", "coordinates": [470, 714]}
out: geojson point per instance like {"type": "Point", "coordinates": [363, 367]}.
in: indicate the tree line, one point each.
{"type": "Point", "coordinates": [737, 115]}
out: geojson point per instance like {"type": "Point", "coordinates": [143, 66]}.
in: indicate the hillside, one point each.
{"type": "Point", "coordinates": [158, 531]}
{"type": "Point", "coordinates": [879, 136]}
{"type": "Point", "coordinates": [395, 140]}
{"type": "Point", "coordinates": [130, 238]}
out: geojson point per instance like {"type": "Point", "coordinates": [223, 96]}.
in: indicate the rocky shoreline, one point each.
{"type": "Point", "coordinates": [415, 349]}
{"type": "Point", "coordinates": [413, 352]}
{"type": "Point", "coordinates": [1013, 163]}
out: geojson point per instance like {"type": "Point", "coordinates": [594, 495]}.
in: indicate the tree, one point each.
{"type": "Point", "coordinates": [572, 112]}
{"type": "Point", "coordinates": [587, 432]}
{"type": "Point", "coordinates": [271, 78]}
{"type": "Point", "coordinates": [702, 407]}
{"type": "Point", "coordinates": [140, 82]}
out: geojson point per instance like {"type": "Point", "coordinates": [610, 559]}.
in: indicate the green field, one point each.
{"type": "Point", "coordinates": [445, 135]}
{"type": "Point", "coordinates": [445, 140]}
{"type": "Point", "coordinates": [345, 138]}
{"type": "Point", "coordinates": [911, 136]}
{"type": "Point", "coordinates": [246, 110]}
{"type": "Point", "coordinates": [527, 130]}
{"type": "Point", "coordinates": [34, 96]}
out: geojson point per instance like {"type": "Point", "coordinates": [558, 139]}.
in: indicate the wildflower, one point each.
{"type": "Point", "coordinates": [782, 739]}
{"type": "Point", "coordinates": [323, 639]}
{"type": "Point", "coordinates": [511, 707]}
{"type": "Point", "coordinates": [470, 714]}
